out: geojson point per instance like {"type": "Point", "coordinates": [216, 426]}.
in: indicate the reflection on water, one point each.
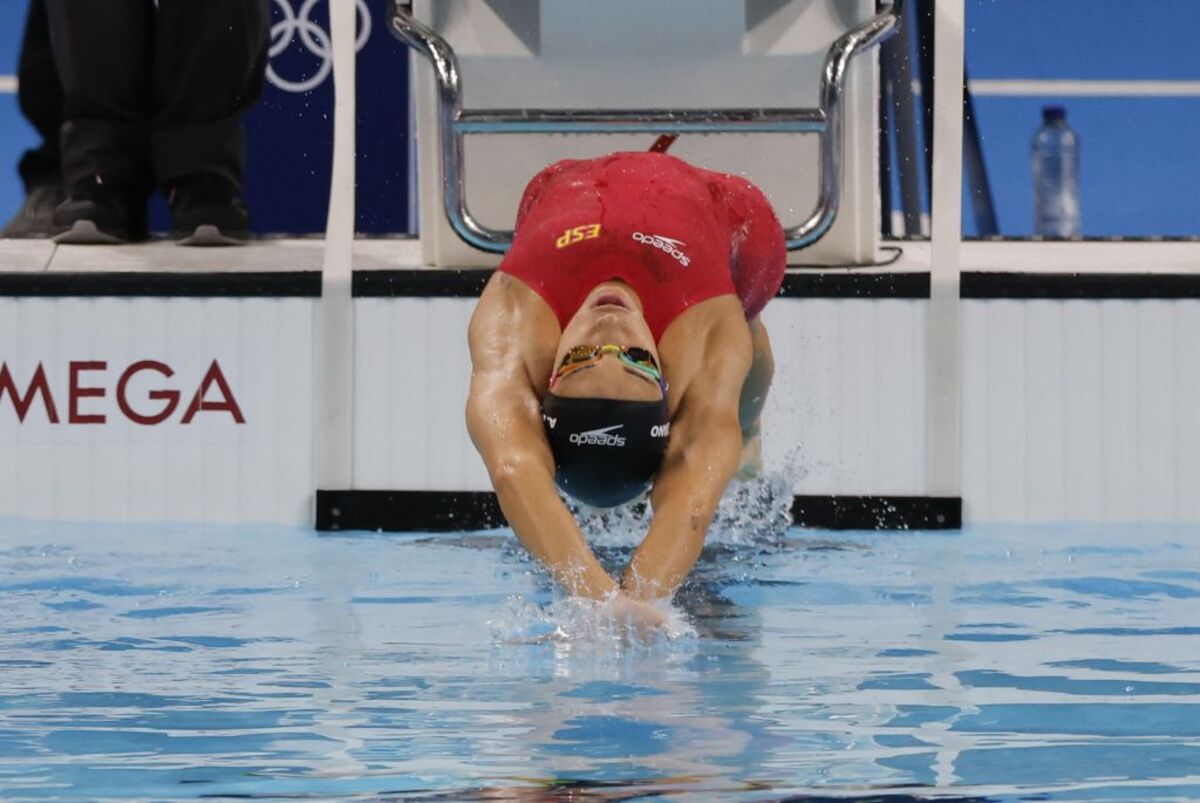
{"type": "Point", "coordinates": [1002, 663]}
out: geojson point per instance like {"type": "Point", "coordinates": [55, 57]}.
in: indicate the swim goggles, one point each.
{"type": "Point", "coordinates": [639, 359]}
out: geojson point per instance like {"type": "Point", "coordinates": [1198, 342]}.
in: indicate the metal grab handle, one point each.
{"type": "Point", "coordinates": [454, 123]}
{"type": "Point", "coordinates": [833, 79]}
{"type": "Point", "coordinates": [635, 121]}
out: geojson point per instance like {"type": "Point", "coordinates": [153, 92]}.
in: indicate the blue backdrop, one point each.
{"type": "Point", "coordinates": [1139, 166]}
{"type": "Point", "coordinates": [291, 130]}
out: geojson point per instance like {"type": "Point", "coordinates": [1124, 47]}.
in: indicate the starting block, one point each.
{"type": "Point", "coordinates": [519, 75]}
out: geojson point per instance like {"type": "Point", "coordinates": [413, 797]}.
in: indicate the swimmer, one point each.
{"type": "Point", "coordinates": [618, 351]}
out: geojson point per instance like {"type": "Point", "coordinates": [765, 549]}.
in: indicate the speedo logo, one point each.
{"type": "Point", "coordinates": [672, 247]}
{"type": "Point", "coordinates": [598, 437]}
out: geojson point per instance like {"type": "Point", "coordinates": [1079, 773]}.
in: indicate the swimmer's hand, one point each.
{"type": "Point", "coordinates": [642, 618]}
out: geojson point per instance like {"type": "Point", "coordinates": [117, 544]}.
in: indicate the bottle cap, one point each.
{"type": "Point", "coordinates": [1053, 114]}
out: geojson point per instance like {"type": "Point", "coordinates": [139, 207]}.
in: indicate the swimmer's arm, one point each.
{"type": "Point", "coordinates": [505, 425]}
{"type": "Point", "coordinates": [704, 451]}
{"type": "Point", "coordinates": [504, 420]}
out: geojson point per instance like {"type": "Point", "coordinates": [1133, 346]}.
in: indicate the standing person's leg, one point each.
{"type": "Point", "coordinates": [39, 94]}
{"type": "Point", "coordinates": [209, 66]}
{"type": "Point", "coordinates": [102, 49]}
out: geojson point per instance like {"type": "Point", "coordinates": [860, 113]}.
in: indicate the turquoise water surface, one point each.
{"type": "Point", "coordinates": [999, 663]}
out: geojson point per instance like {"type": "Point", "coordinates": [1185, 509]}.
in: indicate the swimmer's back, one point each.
{"type": "Point", "coordinates": [678, 234]}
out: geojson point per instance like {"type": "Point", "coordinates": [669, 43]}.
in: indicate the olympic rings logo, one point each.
{"type": "Point", "coordinates": [314, 39]}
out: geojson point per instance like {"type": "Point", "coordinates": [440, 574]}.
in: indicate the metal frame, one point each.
{"type": "Point", "coordinates": [454, 123]}
{"type": "Point", "coordinates": [897, 75]}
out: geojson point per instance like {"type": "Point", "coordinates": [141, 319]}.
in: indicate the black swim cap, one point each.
{"type": "Point", "coordinates": [606, 451]}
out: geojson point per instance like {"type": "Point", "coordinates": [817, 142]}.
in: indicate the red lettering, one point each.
{"type": "Point", "coordinates": [75, 392]}
{"type": "Point", "coordinates": [171, 397]}
{"type": "Point", "coordinates": [229, 403]}
{"type": "Point", "coordinates": [37, 385]}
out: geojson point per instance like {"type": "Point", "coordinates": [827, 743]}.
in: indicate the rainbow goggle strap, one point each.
{"type": "Point", "coordinates": [636, 357]}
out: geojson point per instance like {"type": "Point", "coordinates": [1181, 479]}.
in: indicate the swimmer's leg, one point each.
{"type": "Point", "coordinates": [754, 397]}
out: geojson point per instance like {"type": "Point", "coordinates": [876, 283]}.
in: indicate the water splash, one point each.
{"type": "Point", "coordinates": [751, 521]}
{"type": "Point", "coordinates": [759, 509]}
{"type": "Point", "coordinates": [582, 623]}
{"type": "Point", "coordinates": [751, 511]}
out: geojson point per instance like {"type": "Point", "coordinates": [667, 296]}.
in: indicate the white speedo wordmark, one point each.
{"type": "Point", "coordinates": [672, 247]}
{"type": "Point", "coordinates": [598, 437]}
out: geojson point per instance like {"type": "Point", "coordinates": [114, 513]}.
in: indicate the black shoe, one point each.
{"type": "Point", "coordinates": [101, 211]}
{"type": "Point", "coordinates": [207, 210]}
{"type": "Point", "coordinates": [35, 218]}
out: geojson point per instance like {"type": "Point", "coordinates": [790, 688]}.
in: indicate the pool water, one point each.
{"type": "Point", "coordinates": [998, 663]}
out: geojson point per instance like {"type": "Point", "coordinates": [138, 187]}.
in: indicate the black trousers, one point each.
{"type": "Point", "coordinates": [156, 91]}
{"type": "Point", "coordinates": [40, 97]}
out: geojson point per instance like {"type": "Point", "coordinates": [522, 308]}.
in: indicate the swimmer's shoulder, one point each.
{"type": "Point", "coordinates": [508, 297]}
{"type": "Point", "coordinates": [513, 324]}
{"type": "Point", "coordinates": [710, 332]}
{"type": "Point", "coordinates": [711, 323]}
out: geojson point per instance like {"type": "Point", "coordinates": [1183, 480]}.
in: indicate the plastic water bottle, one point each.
{"type": "Point", "coordinates": [1055, 158]}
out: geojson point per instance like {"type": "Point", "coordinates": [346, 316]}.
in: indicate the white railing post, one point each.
{"type": "Point", "coordinates": [944, 346]}
{"type": "Point", "coordinates": [334, 375]}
